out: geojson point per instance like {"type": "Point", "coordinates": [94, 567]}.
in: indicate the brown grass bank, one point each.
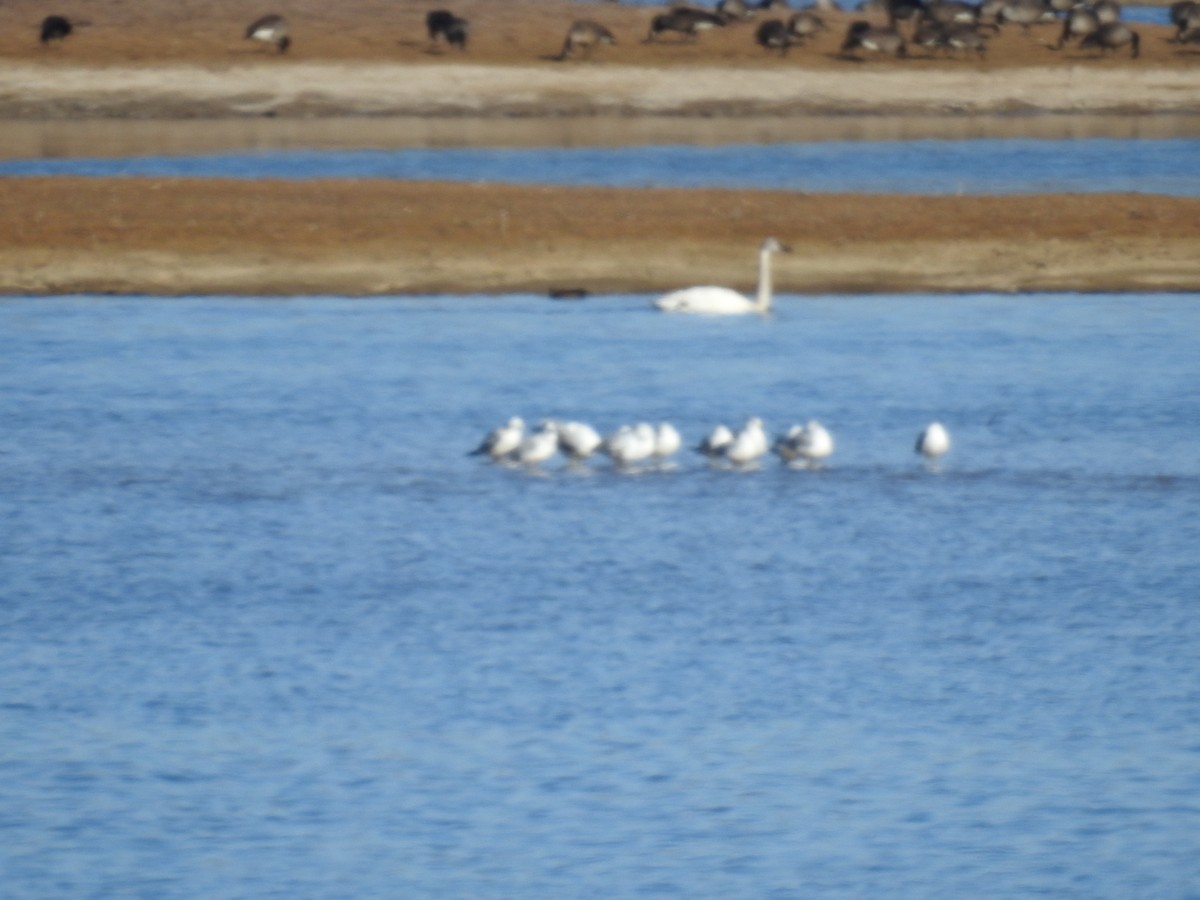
{"type": "Point", "coordinates": [174, 237]}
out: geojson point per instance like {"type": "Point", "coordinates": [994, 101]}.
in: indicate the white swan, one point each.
{"type": "Point", "coordinates": [810, 443]}
{"type": "Point", "coordinates": [501, 441]}
{"type": "Point", "coordinates": [721, 301]}
{"type": "Point", "coordinates": [933, 441]}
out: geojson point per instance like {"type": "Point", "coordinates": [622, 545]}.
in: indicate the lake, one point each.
{"type": "Point", "coordinates": [267, 630]}
{"type": "Point", "coordinates": [916, 166]}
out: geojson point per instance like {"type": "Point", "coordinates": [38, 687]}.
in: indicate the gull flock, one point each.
{"type": "Point", "coordinates": [634, 447]}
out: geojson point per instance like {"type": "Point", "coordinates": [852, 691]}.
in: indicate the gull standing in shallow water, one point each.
{"type": "Point", "coordinates": [808, 444]}
{"type": "Point", "coordinates": [749, 444]}
{"type": "Point", "coordinates": [933, 441]}
{"type": "Point", "coordinates": [714, 443]}
{"type": "Point", "coordinates": [666, 440]}
{"type": "Point", "coordinates": [502, 441]}
{"type": "Point", "coordinates": [577, 440]}
{"type": "Point", "coordinates": [722, 301]}
{"type": "Point", "coordinates": [627, 445]}
{"type": "Point", "coordinates": [538, 447]}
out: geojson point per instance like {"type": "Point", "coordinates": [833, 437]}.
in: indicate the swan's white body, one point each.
{"type": "Point", "coordinates": [714, 444]}
{"type": "Point", "coordinates": [577, 440]}
{"type": "Point", "coordinates": [538, 447]}
{"type": "Point", "coordinates": [748, 445]}
{"type": "Point", "coordinates": [627, 445]}
{"type": "Point", "coordinates": [502, 441]}
{"type": "Point", "coordinates": [933, 441]}
{"type": "Point", "coordinates": [809, 443]}
{"type": "Point", "coordinates": [722, 301]}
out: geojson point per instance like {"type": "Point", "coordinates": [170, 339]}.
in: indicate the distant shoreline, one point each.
{"type": "Point", "coordinates": [328, 89]}
{"type": "Point", "coordinates": [174, 237]}
{"type": "Point", "coordinates": [152, 78]}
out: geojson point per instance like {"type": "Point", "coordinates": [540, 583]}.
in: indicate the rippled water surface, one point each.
{"type": "Point", "coordinates": [268, 631]}
{"type": "Point", "coordinates": [983, 166]}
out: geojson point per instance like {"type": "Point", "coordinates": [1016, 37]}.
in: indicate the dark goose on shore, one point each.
{"type": "Point", "coordinates": [585, 35]}
{"type": "Point", "coordinates": [270, 29]}
{"type": "Point", "coordinates": [55, 28]}
{"type": "Point", "coordinates": [445, 24]}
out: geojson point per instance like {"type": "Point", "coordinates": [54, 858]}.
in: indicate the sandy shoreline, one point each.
{"type": "Point", "coordinates": [336, 89]}
{"type": "Point", "coordinates": [157, 59]}
{"type": "Point", "coordinates": [174, 237]}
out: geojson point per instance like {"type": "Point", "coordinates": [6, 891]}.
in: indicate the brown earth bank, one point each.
{"type": "Point", "coordinates": [177, 237]}
{"type": "Point", "coordinates": [188, 58]}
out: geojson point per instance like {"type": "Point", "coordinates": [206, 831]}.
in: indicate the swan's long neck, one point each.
{"type": "Point", "coordinates": [762, 301]}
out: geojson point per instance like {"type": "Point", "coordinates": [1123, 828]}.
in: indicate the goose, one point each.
{"type": "Point", "coordinates": [933, 441]}
{"type": "Point", "coordinates": [629, 445]}
{"type": "Point", "coordinates": [989, 13]}
{"type": "Point", "coordinates": [805, 24]}
{"type": "Point", "coordinates": [270, 29]}
{"type": "Point", "coordinates": [773, 35]}
{"type": "Point", "coordinates": [714, 443]}
{"type": "Point", "coordinates": [930, 34]}
{"type": "Point", "coordinates": [585, 34]}
{"type": "Point", "coordinates": [964, 38]}
{"type": "Point", "coordinates": [1185, 16]}
{"type": "Point", "coordinates": [538, 447]}
{"type": "Point", "coordinates": [1079, 22]}
{"type": "Point", "coordinates": [1025, 13]}
{"type": "Point", "coordinates": [501, 441]}
{"type": "Point", "coordinates": [734, 9]}
{"type": "Point", "coordinates": [950, 12]}
{"type": "Point", "coordinates": [443, 23]}
{"type": "Point", "coordinates": [808, 443]}
{"type": "Point", "coordinates": [937, 36]}
{"type": "Point", "coordinates": [877, 40]}
{"type": "Point", "coordinates": [749, 444]}
{"type": "Point", "coordinates": [1107, 11]}
{"type": "Point", "coordinates": [666, 440]}
{"type": "Point", "coordinates": [577, 440]}
{"type": "Point", "coordinates": [684, 20]}
{"type": "Point", "coordinates": [1111, 37]}
{"type": "Point", "coordinates": [722, 301]}
{"type": "Point", "coordinates": [902, 10]}
{"type": "Point", "coordinates": [55, 28]}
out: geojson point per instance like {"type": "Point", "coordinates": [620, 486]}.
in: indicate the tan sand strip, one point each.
{"type": "Point", "coordinates": [174, 237]}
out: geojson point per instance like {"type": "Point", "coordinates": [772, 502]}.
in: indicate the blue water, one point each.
{"type": "Point", "coordinates": [989, 166]}
{"type": "Point", "coordinates": [266, 630]}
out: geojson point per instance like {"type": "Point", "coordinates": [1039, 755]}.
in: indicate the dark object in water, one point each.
{"type": "Point", "coordinates": [576, 293]}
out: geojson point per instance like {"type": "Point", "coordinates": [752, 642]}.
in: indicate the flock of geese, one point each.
{"type": "Point", "coordinates": [633, 447]}
{"type": "Point", "coordinates": [945, 26]}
